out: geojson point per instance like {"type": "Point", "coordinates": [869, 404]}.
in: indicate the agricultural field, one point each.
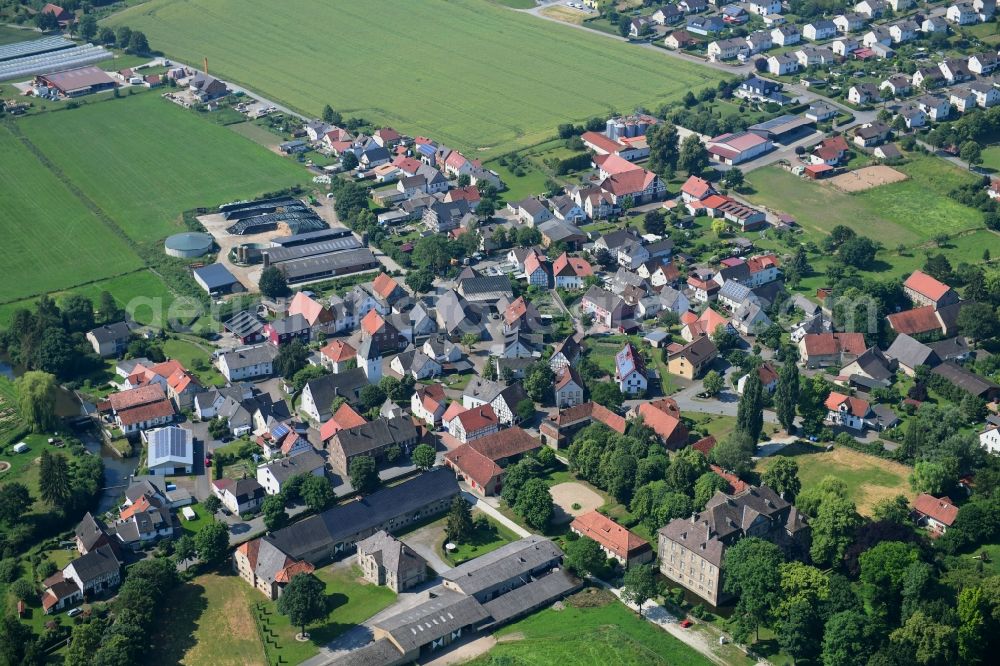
{"type": "Point", "coordinates": [909, 212]}
{"type": "Point", "coordinates": [604, 634]}
{"type": "Point", "coordinates": [869, 479]}
{"type": "Point", "coordinates": [155, 160]}
{"type": "Point", "coordinates": [52, 241]}
{"type": "Point", "coordinates": [506, 78]}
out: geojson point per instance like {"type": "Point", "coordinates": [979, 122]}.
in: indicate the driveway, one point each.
{"type": "Point", "coordinates": [424, 542]}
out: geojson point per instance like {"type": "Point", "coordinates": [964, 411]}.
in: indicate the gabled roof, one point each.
{"type": "Point", "coordinates": [478, 418]}
{"type": "Point", "coordinates": [926, 286]}
{"type": "Point", "coordinates": [916, 321]}
{"type": "Point", "coordinates": [345, 417]}
{"type": "Point", "coordinates": [566, 265]}
{"type": "Point", "coordinates": [629, 360]}
{"type": "Point", "coordinates": [338, 351]}
{"type": "Point", "coordinates": [384, 285]}
{"type": "Point", "coordinates": [824, 344]}
{"type": "Point", "coordinates": [941, 510]}
{"type": "Point", "coordinates": [306, 306]}
{"type": "Point", "coordinates": [609, 534]}
{"type": "Point", "coordinates": [855, 406]}
{"type": "Point", "coordinates": [663, 417]}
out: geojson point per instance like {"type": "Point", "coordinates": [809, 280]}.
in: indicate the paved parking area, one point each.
{"type": "Point", "coordinates": [424, 542]}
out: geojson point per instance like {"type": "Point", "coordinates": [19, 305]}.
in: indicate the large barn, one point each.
{"type": "Point", "coordinates": [77, 82]}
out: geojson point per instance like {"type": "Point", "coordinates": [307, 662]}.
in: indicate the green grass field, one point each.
{"type": "Point", "coordinates": [144, 161]}
{"type": "Point", "coordinates": [192, 355]}
{"type": "Point", "coordinates": [908, 212]}
{"type": "Point", "coordinates": [609, 634]}
{"type": "Point", "coordinates": [10, 35]}
{"type": "Point", "coordinates": [472, 74]}
{"type": "Point", "coordinates": [481, 542]}
{"type": "Point", "coordinates": [52, 241]}
{"type": "Point", "coordinates": [868, 478]}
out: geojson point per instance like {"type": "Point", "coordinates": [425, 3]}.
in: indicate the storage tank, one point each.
{"type": "Point", "coordinates": [188, 245]}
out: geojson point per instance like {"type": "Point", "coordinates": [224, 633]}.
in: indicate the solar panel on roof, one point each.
{"type": "Point", "coordinates": [279, 430]}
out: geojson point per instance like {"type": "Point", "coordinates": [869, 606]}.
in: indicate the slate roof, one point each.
{"type": "Point", "coordinates": [111, 332]}
{"type": "Point", "coordinates": [301, 463]}
{"type": "Point", "coordinates": [324, 389]}
{"type": "Point", "coordinates": [910, 352]}
{"type": "Point", "coordinates": [96, 564]}
{"type": "Point", "coordinates": [964, 379]}
{"type": "Point", "coordinates": [433, 619]}
{"type": "Point", "coordinates": [248, 356]}
{"type": "Point", "coordinates": [374, 435]}
{"type": "Point", "coordinates": [505, 563]}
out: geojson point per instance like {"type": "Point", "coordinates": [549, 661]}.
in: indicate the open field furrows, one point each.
{"type": "Point", "coordinates": [469, 73]}
{"type": "Point", "coordinates": [51, 240]}
{"type": "Point", "coordinates": [144, 161]}
{"type": "Point", "coordinates": [908, 212]}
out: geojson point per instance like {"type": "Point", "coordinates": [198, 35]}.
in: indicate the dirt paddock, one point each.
{"type": "Point", "coordinates": [866, 178]}
{"type": "Point", "coordinates": [565, 495]}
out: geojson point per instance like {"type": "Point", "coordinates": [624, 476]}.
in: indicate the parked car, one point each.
{"type": "Point", "coordinates": [74, 612]}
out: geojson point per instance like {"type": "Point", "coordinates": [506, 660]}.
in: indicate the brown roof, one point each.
{"type": "Point", "coordinates": [915, 321]}
{"type": "Point", "coordinates": [594, 411]}
{"type": "Point", "coordinates": [478, 418]}
{"type": "Point", "coordinates": [147, 412]}
{"type": "Point", "coordinates": [565, 376]}
{"type": "Point", "coordinates": [856, 406]}
{"type": "Point", "coordinates": [925, 285]}
{"type": "Point", "coordinates": [824, 344]}
{"type": "Point", "coordinates": [941, 510]}
{"type": "Point", "coordinates": [345, 417]}
{"type": "Point", "coordinates": [136, 396]}
{"type": "Point", "coordinates": [372, 322]}
{"type": "Point", "coordinates": [384, 285]}
{"type": "Point", "coordinates": [663, 417]}
{"type": "Point", "coordinates": [478, 458]}
{"type": "Point", "coordinates": [609, 534]}
{"type": "Point", "coordinates": [705, 445]}
{"type": "Point", "coordinates": [338, 350]}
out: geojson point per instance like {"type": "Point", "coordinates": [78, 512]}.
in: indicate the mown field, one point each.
{"type": "Point", "coordinates": [470, 73]}
{"type": "Point", "coordinates": [144, 161]}
{"type": "Point", "coordinates": [51, 240]}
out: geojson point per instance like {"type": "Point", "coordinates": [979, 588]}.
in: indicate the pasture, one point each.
{"type": "Point", "coordinates": [51, 240]}
{"type": "Point", "coordinates": [144, 160]}
{"type": "Point", "coordinates": [470, 73]}
{"type": "Point", "coordinates": [869, 479]}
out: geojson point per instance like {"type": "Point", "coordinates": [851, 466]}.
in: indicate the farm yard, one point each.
{"type": "Point", "coordinates": [511, 78]}
{"type": "Point", "coordinates": [52, 241]}
{"type": "Point", "coordinates": [868, 479]}
{"type": "Point", "coordinates": [156, 161]}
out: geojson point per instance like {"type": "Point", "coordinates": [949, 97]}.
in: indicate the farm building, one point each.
{"type": "Point", "coordinates": [321, 266]}
{"type": "Point", "coordinates": [188, 245]}
{"type": "Point", "coordinates": [77, 82]}
{"type": "Point", "coordinates": [170, 450]}
{"type": "Point", "coordinates": [216, 279]}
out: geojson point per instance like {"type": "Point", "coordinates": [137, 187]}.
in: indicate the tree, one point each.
{"type": "Point", "coordinates": [108, 307]}
{"type": "Point", "coordinates": [713, 383]}
{"type": "Point", "coordinates": [932, 643]}
{"type": "Point", "coordinates": [693, 157]}
{"type": "Point", "coordinates": [106, 36]}
{"type": "Point", "coordinates": [655, 222]}
{"type": "Point", "coordinates": [84, 642]}
{"type": "Point", "coordinates": [212, 504]}
{"type": "Point", "coordinates": [978, 321]}
{"type": "Point", "coordinates": [929, 476]}
{"type": "Point", "coordinates": [858, 252]}
{"type": "Point", "coordinates": [538, 381]}
{"type": "Point", "coordinates": [584, 557]}
{"type": "Point", "coordinates": [663, 153]}
{"type": "Point", "coordinates": [303, 600]}
{"type": "Point", "coordinates": [36, 397]}
{"type": "Point", "coordinates": [752, 571]}
{"type": "Point", "coordinates": [733, 178]}
{"type": "Point", "coordinates": [783, 477]}
{"type": "Point", "coordinates": [469, 340]}
{"type": "Point", "coordinates": [78, 313]}
{"type": "Point", "coordinates": [272, 283]}
{"type": "Point", "coordinates": [786, 396]}
{"type": "Point", "coordinates": [331, 116]}
{"type": "Point", "coordinates": [734, 453]}
{"type": "Point", "coordinates": [291, 358]}
{"type": "Point", "coordinates": [371, 397]}
{"type": "Point", "coordinates": [892, 509]}
{"type": "Point", "coordinates": [534, 504]}
{"type": "Point", "coordinates": [420, 281]}
{"type": "Point", "coordinates": [137, 43]}
{"type": "Point", "coordinates": [273, 510]}
{"type": "Point", "coordinates": [349, 161]}
{"type": "Point", "coordinates": [485, 209]}
{"type": "Point", "coordinates": [516, 476]}
{"type": "Point", "coordinates": [525, 410]}
{"type": "Point", "coordinates": [750, 410]}
{"type": "Point", "coordinates": [122, 35]}
{"type": "Point", "coordinates": [639, 585]}
{"type": "Point", "coordinates": [15, 500]}
{"type": "Point", "coordinates": [801, 631]}
{"type": "Point", "coordinates": [832, 530]}
{"type": "Point", "coordinates": [184, 548]}
{"type": "Point", "coordinates": [16, 637]}
{"type": "Point", "coordinates": [54, 479]}
{"type": "Point", "coordinates": [212, 542]}
{"type": "Point", "coordinates": [459, 526]}
{"type": "Point", "coordinates": [46, 21]}
{"type": "Point", "coordinates": [883, 568]}
{"type": "Point", "coordinates": [971, 153]}
{"type": "Point", "coordinates": [607, 394]}
{"type": "Point", "coordinates": [423, 456]}
{"type": "Point", "coordinates": [624, 25]}
{"type": "Point", "coordinates": [973, 610]}
{"type": "Point", "coordinates": [844, 639]}
{"type": "Point", "coordinates": [719, 226]}
{"type": "Point", "coordinates": [705, 488]}
{"type": "Point", "coordinates": [363, 474]}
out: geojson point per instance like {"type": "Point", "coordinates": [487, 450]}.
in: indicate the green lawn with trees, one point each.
{"type": "Point", "coordinates": [497, 96]}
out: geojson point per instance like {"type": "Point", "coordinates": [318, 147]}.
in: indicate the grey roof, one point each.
{"type": "Point", "coordinates": [964, 379]}
{"type": "Point", "coordinates": [455, 314]}
{"type": "Point", "coordinates": [111, 332]}
{"type": "Point", "coordinates": [243, 324]}
{"type": "Point", "coordinates": [615, 239]}
{"type": "Point", "coordinates": [951, 348]}
{"type": "Point", "coordinates": [375, 434]}
{"type": "Point", "coordinates": [270, 561]}
{"type": "Point", "coordinates": [341, 262]}
{"type": "Point", "coordinates": [378, 653]}
{"type": "Point", "coordinates": [735, 291]}
{"type": "Point", "coordinates": [96, 564]}
{"type": "Point", "coordinates": [875, 364]}
{"type": "Point", "coordinates": [324, 389]}
{"type": "Point", "coordinates": [910, 352]}
{"type": "Point", "coordinates": [337, 524]}
{"type": "Point", "coordinates": [301, 463]}
{"type": "Point", "coordinates": [539, 592]}
{"type": "Point", "coordinates": [560, 230]}
{"type": "Point", "coordinates": [89, 531]}
{"type": "Point", "coordinates": [245, 489]}
{"type": "Point", "coordinates": [215, 276]}
{"type": "Point", "coordinates": [247, 356]}
{"type": "Point", "coordinates": [139, 489]}
{"type": "Point", "coordinates": [486, 284]}
{"type": "Point", "coordinates": [508, 562]}
{"type": "Point", "coordinates": [885, 416]}
{"type": "Point", "coordinates": [432, 620]}
{"type": "Point", "coordinates": [293, 324]}
{"type": "Point", "coordinates": [171, 445]}
{"type": "Point", "coordinates": [482, 389]}
{"type": "Point", "coordinates": [393, 554]}
{"type": "Point", "coordinates": [603, 299]}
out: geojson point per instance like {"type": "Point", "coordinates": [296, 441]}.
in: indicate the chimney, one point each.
{"type": "Point", "coordinates": [206, 64]}
{"type": "Point", "coordinates": [266, 256]}
{"type": "Point", "coordinates": [693, 516]}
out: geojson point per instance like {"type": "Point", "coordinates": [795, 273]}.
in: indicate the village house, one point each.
{"type": "Point", "coordinates": [138, 409]}
{"type": "Point", "coordinates": [786, 35]}
{"type": "Point", "coordinates": [606, 308]}
{"type": "Point", "coordinates": [863, 93]}
{"type": "Point", "coordinates": [240, 496]}
{"type": "Point", "coordinates": [564, 353]}
{"type": "Point", "coordinates": [386, 561]}
{"type": "Point", "coordinates": [370, 439]}
{"type": "Point", "coordinates": [473, 423]}
{"type": "Point", "coordinates": [266, 568]}
{"type": "Point", "coordinates": [693, 359]}
{"type": "Point", "coordinates": [922, 289]}
{"type": "Point", "coordinates": [782, 64]}
{"type": "Point", "coordinates": [818, 350]}
{"type": "Point", "coordinates": [630, 370]}
{"type": "Point", "coordinates": [272, 476]}
{"type": "Point", "coordinates": [664, 417]}
{"type": "Point", "coordinates": [428, 403]}
{"type": "Point", "coordinates": [847, 411]}
{"type": "Point", "coordinates": [871, 134]}
{"type": "Point", "coordinates": [568, 388]}
{"type": "Point", "coordinates": [110, 339]}
{"type": "Point", "coordinates": [819, 30]}
{"type": "Point", "coordinates": [480, 463]}
{"type": "Point", "coordinates": [936, 514]}
{"type": "Point", "coordinates": [989, 439]}
{"type": "Point", "coordinates": [962, 13]}
{"type": "Point", "coordinates": [849, 22]}
{"type": "Point", "coordinates": [617, 542]}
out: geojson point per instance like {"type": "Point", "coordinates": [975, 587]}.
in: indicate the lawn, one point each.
{"type": "Point", "coordinates": [51, 238]}
{"type": "Point", "coordinates": [10, 35]}
{"type": "Point", "coordinates": [24, 467]}
{"type": "Point", "coordinates": [481, 541]}
{"type": "Point", "coordinates": [142, 289]}
{"type": "Point", "coordinates": [472, 74]}
{"type": "Point", "coordinates": [608, 634]}
{"type": "Point", "coordinates": [195, 358]}
{"type": "Point", "coordinates": [203, 520]}
{"type": "Point", "coordinates": [155, 160]}
{"type": "Point", "coordinates": [908, 212]}
{"type": "Point", "coordinates": [352, 601]}
{"type": "Point", "coordinates": [529, 183]}
{"type": "Point", "coordinates": [10, 420]}
{"type": "Point", "coordinates": [868, 478]}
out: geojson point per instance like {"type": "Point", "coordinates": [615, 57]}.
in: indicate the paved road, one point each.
{"type": "Point", "coordinates": [424, 542]}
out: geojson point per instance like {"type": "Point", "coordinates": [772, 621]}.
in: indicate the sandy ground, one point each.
{"type": "Point", "coordinates": [216, 225]}
{"type": "Point", "coordinates": [463, 652]}
{"type": "Point", "coordinates": [565, 495]}
{"type": "Point", "coordinates": [866, 178]}
{"type": "Point", "coordinates": [563, 13]}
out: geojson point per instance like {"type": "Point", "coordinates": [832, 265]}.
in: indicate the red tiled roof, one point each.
{"type": "Point", "coordinates": [137, 396]}
{"type": "Point", "coordinates": [941, 510]}
{"type": "Point", "coordinates": [705, 445]}
{"type": "Point", "coordinates": [147, 412]}
{"type": "Point", "coordinates": [594, 411]}
{"type": "Point", "coordinates": [372, 322]}
{"type": "Point", "coordinates": [292, 570]}
{"type": "Point", "coordinates": [609, 534]}
{"type": "Point", "coordinates": [477, 418]}
{"type": "Point", "coordinates": [915, 321]}
{"type": "Point", "coordinates": [613, 164]}
{"type": "Point", "coordinates": [338, 351]}
{"type": "Point", "coordinates": [311, 309]}
{"type": "Point", "coordinates": [532, 263]}
{"type": "Point", "coordinates": [473, 464]}
{"type": "Point", "coordinates": [384, 285]}
{"type": "Point", "coordinates": [601, 142]}
{"type": "Point", "coordinates": [468, 193]}
{"type": "Point", "coordinates": [663, 417]}
{"type": "Point", "coordinates": [629, 182]}
{"type": "Point", "coordinates": [856, 406]}
{"type": "Point", "coordinates": [407, 164]}
{"type": "Point", "coordinates": [345, 417]}
{"type": "Point", "coordinates": [767, 373]}
{"type": "Point", "coordinates": [762, 262]}
{"type": "Point", "coordinates": [696, 187]}
{"type": "Point", "coordinates": [565, 376]}
{"type": "Point", "coordinates": [454, 409]}
{"type": "Point", "coordinates": [516, 310]}
{"type": "Point", "coordinates": [824, 344]}
{"type": "Point", "coordinates": [926, 286]}
{"type": "Point", "coordinates": [736, 485]}
{"type": "Point", "coordinates": [567, 265]}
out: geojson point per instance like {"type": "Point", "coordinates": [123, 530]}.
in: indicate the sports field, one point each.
{"type": "Point", "coordinates": [144, 161]}
{"type": "Point", "coordinates": [51, 240]}
{"type": "Point", "coordinates": [470, 73]}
